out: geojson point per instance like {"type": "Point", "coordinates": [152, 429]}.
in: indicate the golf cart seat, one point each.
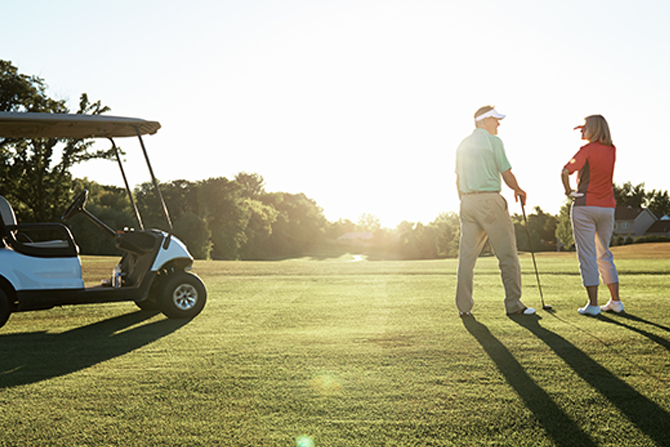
{"type": "Point", "coordinates": [17, 236]}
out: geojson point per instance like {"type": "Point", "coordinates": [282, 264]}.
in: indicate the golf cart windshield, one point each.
{"type": "Point", "coordinates": [78, 126]}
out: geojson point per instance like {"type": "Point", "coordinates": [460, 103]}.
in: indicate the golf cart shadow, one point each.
{"type": "Point", "coordinates": [33, 357]}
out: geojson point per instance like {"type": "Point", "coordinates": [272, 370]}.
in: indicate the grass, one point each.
{"type": "Point", "coordinates": [337, 353]}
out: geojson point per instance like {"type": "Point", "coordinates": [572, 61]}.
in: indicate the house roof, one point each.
{"type": "Point", "coordinates": [660, 226]}
{"type": "Point", "coordinates": [629, 213]}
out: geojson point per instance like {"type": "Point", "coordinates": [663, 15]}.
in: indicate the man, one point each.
{"type": "Point", "coordinates": [480, 164]}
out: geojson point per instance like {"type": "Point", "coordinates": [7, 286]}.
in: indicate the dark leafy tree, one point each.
{"type": "Point", "coordinates": [564, 237]}
{"type": "Point", "coordinates": [300, 226]}
{"type": "Point", "coordinates": [261, 218]}
{"type": "Point", "coordinates": [253, 185]}
{"type": "Point", "coordinates": [221, 205]}
{"type": "Point", "coordinates": [23, 93]}
{"type": "Point", "coordinates": [340, 227]}
{"type": "Point", "coordinates": [194, 231]}
{"type": "Point", "coordinates": [109, 204]}
{"type": "Point", "coordinates": [542, 228]}
{"type": "Point", "coordinates": [35, 174]}
{"type": "Point", "coordinates": [368, 222]}
{"type": "Point", "coordinates": [180, 196]}
{"type": "Point", "coordinates": [416, 241]}
{"type": "Point", "coordinates": [447, 235]}
{"type": "Point", "coordinates": [629, 195]}
{"type": "Point", "coordinates": [659, 203]}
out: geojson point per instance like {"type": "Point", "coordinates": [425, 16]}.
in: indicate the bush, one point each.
{"type": "Point", "coordinates": [651, 238]}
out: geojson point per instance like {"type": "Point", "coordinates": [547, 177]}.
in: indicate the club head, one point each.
{"type": "Point", "coordinates": [547, 307]}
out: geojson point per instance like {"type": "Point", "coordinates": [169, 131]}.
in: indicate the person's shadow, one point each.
{"type": "Point", "coordinates": [646, 415]}
{"type": "Point", "coordinates": [562, 429]}
{"type": "Point", "coordinates": [650, 335]}
{"type": "Point", "coordinates": [32, 357]}
{"type": "Point", "coordinates": [637, 319]}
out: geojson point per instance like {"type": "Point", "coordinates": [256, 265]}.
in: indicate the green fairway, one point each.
{"type": "Point", "coordinates": [342, 353]}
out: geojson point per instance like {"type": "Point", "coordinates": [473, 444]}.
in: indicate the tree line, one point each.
{"type": "Point", "coordinates": [220, 218]}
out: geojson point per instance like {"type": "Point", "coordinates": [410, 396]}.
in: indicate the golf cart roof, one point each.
{"type": "Point", "coordinates": [66, 125]}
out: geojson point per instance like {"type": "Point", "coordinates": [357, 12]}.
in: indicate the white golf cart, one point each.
{"type": "Point", "coordinates": [39, 263]}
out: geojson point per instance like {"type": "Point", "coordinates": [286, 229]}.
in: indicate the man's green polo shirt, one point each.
{"type": "Point", "coordinates": [480, 159]}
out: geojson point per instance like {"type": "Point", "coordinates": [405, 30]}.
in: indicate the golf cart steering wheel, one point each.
{"type": "Point", "coordinates": [76, 206]}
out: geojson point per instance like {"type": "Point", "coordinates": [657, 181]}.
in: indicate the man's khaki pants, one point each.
{"type": "Point", "coordinates": [485, 215]}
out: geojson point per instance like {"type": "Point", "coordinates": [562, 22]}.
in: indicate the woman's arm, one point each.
{"type": "Point", "coordinates": [565, 178]}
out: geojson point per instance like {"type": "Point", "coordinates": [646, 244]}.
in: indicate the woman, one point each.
{"type": "Point", "coordinates": [592, 213]}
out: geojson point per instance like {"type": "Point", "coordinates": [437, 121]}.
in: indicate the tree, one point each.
{"type": "Point", "coordinates": [369, 223]}
{"type": "Point", "coordinates": [629, 195]}
{"type": "Point", "coordinates": [194, 231]}
{"type": "Point", "coordinates": [258, 230]}
{"type": "Point", "coordinates": [221, 204]}
{"type": "Point", "coordinates": [253, 185]}
{"type": "Point", "coordinates": [342, 226]}
{"type": "Point", "coordinates": [23, 93]}
{"type": "Point", "coordinates": [33, 179]}
{"type": "Point", "coordinates": [447, 235]}
{"type": "Point", "coordinates": [181, 200]}
{"type": "Point", "coordinates": [300, 225]}
{"type": "Point", "coordinates": [659, 203]}
{"type": "Point", "coordinates": [542, 228]}
{"type": "Point", "coordinates": [416, 241]}
{"type": "Point", "coordinates": [564, 227]}
{"type": "Point", "coordinates": [180, 196]}
{"type": "Point", "coordinates": [109, 204]}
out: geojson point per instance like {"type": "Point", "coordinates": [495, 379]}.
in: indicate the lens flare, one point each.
{"type": "Point", "coordinates": [304, 441]}
{"type": "Point", "coordinates": [326, 384]}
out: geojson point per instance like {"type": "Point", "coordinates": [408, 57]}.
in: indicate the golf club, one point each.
{"type": "Point", "coordinates": [532, 252]}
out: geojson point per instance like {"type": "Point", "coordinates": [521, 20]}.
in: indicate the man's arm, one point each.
{"type": "Point", "coordinates": [458, 188]}
{"type": "Point", "coordinates": [510, 180]}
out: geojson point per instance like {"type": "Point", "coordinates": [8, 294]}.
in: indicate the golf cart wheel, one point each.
{"type": "Point", "coordinates": [5, 308]}
{"type": "Point", "coordinates": [183, 295]}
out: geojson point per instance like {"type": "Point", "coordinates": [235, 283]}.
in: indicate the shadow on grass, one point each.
{"type": "Point", "coordinates": [562, 430]}
{"type": "Point", "coordinates": [630, 317]}
{"type": "Point", "coordinates": [647, 416]}
{"type": "Point", "coordinates": [653, 337]}
{"type": "Point", "coordinates": [33, 357]}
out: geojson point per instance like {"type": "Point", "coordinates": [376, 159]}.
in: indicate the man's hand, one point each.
{"type": "Point", "coordinates": [520, 194]}
{"type": "Point", "coordinates": [510, 180]}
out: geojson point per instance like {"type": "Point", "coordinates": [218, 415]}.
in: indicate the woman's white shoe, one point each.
{"type": "Point", "coordinates": [612, 306]}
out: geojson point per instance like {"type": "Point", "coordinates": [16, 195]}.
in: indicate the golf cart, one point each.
{"type": "Point", "coordinates": [39, 262]}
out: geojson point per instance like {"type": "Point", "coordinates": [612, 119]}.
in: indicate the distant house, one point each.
{"type": "Point", "coordinates": [659, 228]}
{"type": "Point", "coordinates": [633, 222]}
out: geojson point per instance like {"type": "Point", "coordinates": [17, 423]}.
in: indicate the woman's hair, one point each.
{"type": "Point", "coordinates": [596, 129]}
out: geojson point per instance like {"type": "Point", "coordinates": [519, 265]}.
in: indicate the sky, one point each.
{"type": "Point", "coordinates": [358, 104]}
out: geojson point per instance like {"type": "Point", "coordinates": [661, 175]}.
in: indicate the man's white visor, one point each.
{"type": "Point", "coordinates": [491, 113]}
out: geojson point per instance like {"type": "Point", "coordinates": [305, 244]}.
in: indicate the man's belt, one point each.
{"type": "Point", "coordinates": [480, 192]}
